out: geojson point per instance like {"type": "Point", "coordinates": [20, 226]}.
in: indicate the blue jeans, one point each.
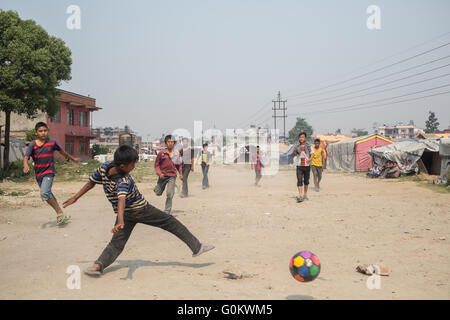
{"type": "Point", "coordinates": [45, 184]}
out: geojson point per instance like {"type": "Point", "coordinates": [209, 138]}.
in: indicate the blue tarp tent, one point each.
{"type": "Point", "coordinates": [286, 157]}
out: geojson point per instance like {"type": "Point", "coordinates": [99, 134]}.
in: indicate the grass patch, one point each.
{"type": "Point", "coordinates": [69, 171]}
{"type": "Point", "coordinates": [15, 172]}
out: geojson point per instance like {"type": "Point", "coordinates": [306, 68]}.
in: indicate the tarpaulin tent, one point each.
{"type": "Point", "coordinates": [286, 156]}
{"type": "Point", "coordinates": [410, 155]}
{"type": "Point", "coordinates": [351, 154]}
{"type": "Point", "coordinates": [444, 152]}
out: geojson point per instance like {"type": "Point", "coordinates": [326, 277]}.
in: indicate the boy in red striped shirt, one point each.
{"type": "Point", "coordinates": [42, 150]}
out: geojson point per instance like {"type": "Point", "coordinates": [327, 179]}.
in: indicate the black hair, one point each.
{"type": "Point", "coordinates": [40, 124]}
{"type": "Point", "coordinates": [125, 155]}
{"type": "Point", "coordinates": [205, 145]}
{"type": "Point", "coordinates": [317, 140]}
{"type": "Point", "coordinates": [302, 133]}
{"type": "Point", "coordinates": [169, 136]}
{"type": "Point", "coordinates": [257, 146]}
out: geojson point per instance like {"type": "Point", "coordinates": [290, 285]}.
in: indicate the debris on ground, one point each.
{"type": "Point", "coordinates": [370, 269]}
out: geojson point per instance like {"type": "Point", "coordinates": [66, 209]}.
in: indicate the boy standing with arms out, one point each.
{"type": "Point", "coordinates": [206, 160]}
{"type": "Point", "coordinates": [304, 152]}
{"type": "Point", "coordinates": [187, 154]}
{"type": "Point", "coordinates": [257, 165]}
{"type": "Point", "coordinates": [42, 150]}
{"type": "Point", "coordinates": [167, 164]}
{"type": "Point", "coordinates": [131, 208]}
{"type": "Point", "coordinates": [318, 158]}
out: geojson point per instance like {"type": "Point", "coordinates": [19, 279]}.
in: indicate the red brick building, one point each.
{"type": "Point", "coordinates": [71, 125]}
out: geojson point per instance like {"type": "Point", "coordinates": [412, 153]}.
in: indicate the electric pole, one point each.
{"type": "Point", "coordinates": [279, 108]}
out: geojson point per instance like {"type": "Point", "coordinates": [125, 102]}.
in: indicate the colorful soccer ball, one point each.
{"type": "Point", "coordinates": [304, 266]}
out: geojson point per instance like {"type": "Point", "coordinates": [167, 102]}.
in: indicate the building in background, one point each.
{"type": "Point", "coordinates": [399, 131]}
{"type": "Point", "coordinates": [70, 126]}
{"type": "Point", "coordinates": [110, 137]}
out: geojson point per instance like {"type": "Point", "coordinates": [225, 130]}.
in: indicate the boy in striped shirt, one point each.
{"type": "Point", "coordinates": [42, 151]}
{"type": "Point", "coordinates": [131, 208]}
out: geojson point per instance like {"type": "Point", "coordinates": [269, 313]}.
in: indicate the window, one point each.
{"type": "Point", "coordinates": [83, 148]}
{"type": "Point", "coordinates": [57, 117]}
{"type": "Point", "coordinates": [70, 120]}
{"type": "Point", "coordinates": [69, 146]}
{"type": "Point", "coordinates": [82, 119]}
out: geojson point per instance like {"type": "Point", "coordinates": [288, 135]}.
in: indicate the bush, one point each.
{"type": "Point", "coordinates": [15, 172]}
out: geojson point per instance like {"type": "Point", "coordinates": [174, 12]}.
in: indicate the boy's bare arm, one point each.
{"type": "Point", "coordinates": [26, 167]}
{"type": "Point", "coordinates": [120, 211]}
{"type": "Point", "coordinates": [88, 186]}
{"type": "Point", "coordinates": [65, 154]}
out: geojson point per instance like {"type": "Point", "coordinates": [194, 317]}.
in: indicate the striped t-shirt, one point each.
{"type": "Point", "coordinates": [43, 157]}
{"type": "Point", "coordinates": [118, 185]}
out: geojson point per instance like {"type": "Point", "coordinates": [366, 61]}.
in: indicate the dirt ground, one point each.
{"type": "Point", "coordinates": [256, 230]}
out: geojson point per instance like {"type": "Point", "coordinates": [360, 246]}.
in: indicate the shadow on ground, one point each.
{"type": "Point", "coordinates": [132, 265]}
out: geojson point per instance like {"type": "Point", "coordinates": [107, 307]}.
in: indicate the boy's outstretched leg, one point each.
{"type": "Point", "coordinates": [113, 249]}
{"type": "Point", "coordinates": [154, 217]}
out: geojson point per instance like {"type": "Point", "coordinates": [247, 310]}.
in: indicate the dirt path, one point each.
{"type": "Point", "coordinates": [255, 230]}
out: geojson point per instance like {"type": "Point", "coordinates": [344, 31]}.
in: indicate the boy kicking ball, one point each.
{"type": "Point", "coordinates": [42, 150]}
{"type": "Point", "coordinates": [131, 208]}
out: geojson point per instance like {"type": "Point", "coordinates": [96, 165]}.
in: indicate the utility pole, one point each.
{"type": "Point", "coordinates": [279, 108]}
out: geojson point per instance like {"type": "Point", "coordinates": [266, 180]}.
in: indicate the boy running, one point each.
{"type": "Point", "coordinates": [318, 157]}
{"type": "Point", "coordinates": [187, 154]}
{"type": "Point", "coordinates": [206, 157]}
{"type": "Point", "coordinates": [42, 151]}
{"type": "Point", "coordinates": [257, 165]}
{"type": "Point", "coordinates": [304, 152]}
{"type": "Point", "coordinates": [131, 208]}
{"type": "Point", "coordinates": [167, 163]}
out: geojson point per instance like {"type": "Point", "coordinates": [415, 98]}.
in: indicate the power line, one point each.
{"type": "Point", "coordinates": [317, 102]}
{"type": "Point", "coordinates": [346, 108]}
{"type": "Point", "coordinates": [396, 102]}
{"type": "Point", "coordinates": [382, 77]}
{"type": "Point", "coordinates": [374, 71]}
{"type": "Point", "coordinates": [302, 95]}
{"type": "Point", "coordinates": [261, 109]}
{"type": "Point", "coordinates": [388, 57]}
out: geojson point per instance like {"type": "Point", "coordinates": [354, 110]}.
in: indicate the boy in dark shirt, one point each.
{"type": "Point", "coordinates": [168, 162]}
{"type": "Point", "coordinates": [131, 208]}
{"type": "Point", "coordinates": [42, 151]}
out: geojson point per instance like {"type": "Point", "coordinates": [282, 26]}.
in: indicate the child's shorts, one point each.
{"type": "Point", "coordinates": [46, 188]}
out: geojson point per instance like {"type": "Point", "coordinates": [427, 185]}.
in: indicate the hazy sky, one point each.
{"type": "Point", "coordinates": [160, 65]}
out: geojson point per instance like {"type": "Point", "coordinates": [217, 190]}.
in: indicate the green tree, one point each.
{"type": "Point", "coordinates": [32, 65]}
{"type": "Point", "coordinates": [432, 124]}
{"type": "Point", "coordinates": [99, 149]}
{"type": "Point", "coordinates": [31, 135]}
{"type": "Point", "coordinates": [300, 126]}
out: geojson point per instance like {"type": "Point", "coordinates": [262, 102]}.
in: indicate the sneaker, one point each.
{"type": "Point", "coordinates": [316, 189]}
{"type": "Point", "coordinates": [204, 248]}
{"type": "Point", "coordinates": [305, 197]}
{"type": "Point", "coordinates": [61, 219]}
{"type": "Point", "coordinates": [299, 199]}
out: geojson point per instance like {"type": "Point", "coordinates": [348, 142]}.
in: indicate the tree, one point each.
{"type": "Point", "coordinates": [99, 149]}
{"type": "Point", "coordinates": [431, 124]}
{"type": "Point", "coordinates": [338, 131]}
{"type": "Point", "coordinates": [32, 65]}
{"type": "Point", "coordinates": [300, 126]}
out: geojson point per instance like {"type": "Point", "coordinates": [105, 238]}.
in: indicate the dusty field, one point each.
{"type": "Point", "coordinates": [255, 230]}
